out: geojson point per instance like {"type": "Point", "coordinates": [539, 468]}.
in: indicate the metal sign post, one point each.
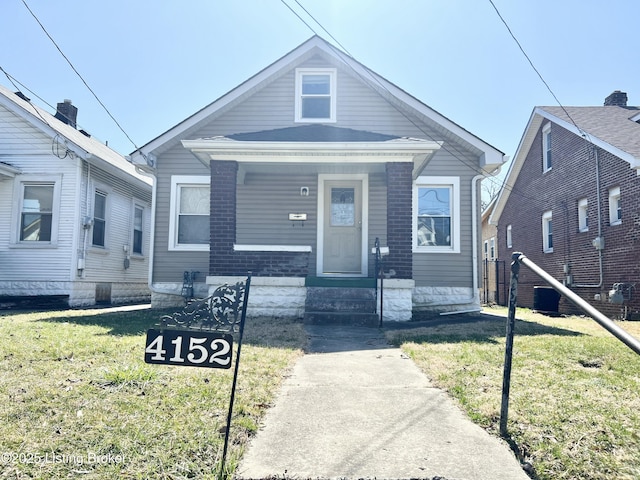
{"type": "Point", "coordinates": [201, 335]}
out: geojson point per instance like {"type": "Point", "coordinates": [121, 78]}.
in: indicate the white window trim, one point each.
{"type": "Point", "coordinates": [176, 182]}
{"type": "Point", "coordinates": [614, 195]}
{"type": "Point", "coordinates": [454, 184]}
{"type": "Point", "coordinates": [108, 192]}
{"type": "Point", "coordinates": [300, 72]}
{"type": "Point", "coordinates": [16, 216]}
{"type": "Point", "coordinates": [509, 236]}
{"type": "Point", "coordinates": [583, 215]}
{"type": "Point", "coordinates": [545, 148]}
{"type": "Point", "coordinates": [492, 248]}
{"type": "Point", "coordinates": [139, 204]}
{"type": "Point", "coordinates": [546, 218]}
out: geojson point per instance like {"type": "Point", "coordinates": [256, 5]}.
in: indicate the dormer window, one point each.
{"type": "Point", "coordinates": [315, 95]}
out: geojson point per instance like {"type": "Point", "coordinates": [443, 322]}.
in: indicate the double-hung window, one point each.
{"type": "Point", "coordinates": [36, 213]}
{"type": "Point", "coordinates": [138, 230]}
{"type": "Point", "coordinates": [315, 95]}
{"type": "Point", "coordinates": [547, 232]}
{"type": "Point", "coordinates": [615, 207]}
{"type": "Point", "coordinates": [99, 219]}
{"type": "Point", "coordinates": [189, 213]}
{"type": "Point", "coordinates": [436, 214]}
{"type": "Point", "coordinates": [546, 148]}
{"type": "Point", "coordinates": [583, 215]}
{"type": "Point", "coordinates": [509, 236]}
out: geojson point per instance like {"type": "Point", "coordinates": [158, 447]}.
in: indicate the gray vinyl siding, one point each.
{"type": "Point", "coordinates": [450, 269]}
{"type": "Point", "coordinates": [264, 201]}
{"type": "Point", "coordinates": [377, 215]}
{"type": "Point", "coordinates": [169, 266]}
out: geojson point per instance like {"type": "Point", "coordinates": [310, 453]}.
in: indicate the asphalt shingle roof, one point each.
{"type": "Point", "coordinates": [610, 124]}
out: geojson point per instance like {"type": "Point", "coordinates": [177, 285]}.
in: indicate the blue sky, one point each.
{"type": "Point", "coordinates": [154, 63]}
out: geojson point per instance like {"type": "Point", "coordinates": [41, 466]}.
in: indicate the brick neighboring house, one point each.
{"type": "Point", "coordinates": [572, 205]}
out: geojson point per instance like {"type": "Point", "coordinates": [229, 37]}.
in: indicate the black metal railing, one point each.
{"type": "Point", "coordinates": [608, 324]}
{"type": "Point", "coordinates": [379, 274]}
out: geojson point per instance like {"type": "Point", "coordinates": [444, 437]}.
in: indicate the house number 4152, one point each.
{"type": "Point", "coordinates": [188, 348]}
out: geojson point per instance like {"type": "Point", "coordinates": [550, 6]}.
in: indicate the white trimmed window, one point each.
{"type": "Point", "coordinates": [37, 211]}
{"type": "Point", "coordinates": [137, 230]}
{"type": "Point", "coordinates": [615, 208]}
{"type": "Point", "coordinates": [546, 148]}
{"type": "Point", "coordinates": [436, 214]}
{"type": "Point", "coordinates": [492, 248]}
{"type": "Point", "coordinates": [189, 213]}
{"type": "Point", "coordinates": [509, 237]}
{"type": "Point", "coordinates": [315, 95]}
{"type": "Point", "coordinates": [583, 215]}
{"type": "Point", "coordinates": [547, 232]}
{"type": "Point", "coordinates": [99, 233]}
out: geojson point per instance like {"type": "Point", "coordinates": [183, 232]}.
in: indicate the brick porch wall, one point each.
{"type": "Point", "coordinates": [399, 220]}
{"type": "Point", "coordinates": [222, 258]}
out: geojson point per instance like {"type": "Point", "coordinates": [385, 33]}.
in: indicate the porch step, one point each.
{"type": "Point", "coordinates": [341, 306]}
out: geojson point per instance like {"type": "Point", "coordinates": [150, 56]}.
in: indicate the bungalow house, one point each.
{"type": "Point", "coordinates": [295, 173]}
{"type": "Point", "coordinates": [74, 214]}
{"type": "Point", "coordinates": [571, 203]}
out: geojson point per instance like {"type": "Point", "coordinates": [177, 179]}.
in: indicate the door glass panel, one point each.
{"type": "Point", "coordinates": [343, 211]}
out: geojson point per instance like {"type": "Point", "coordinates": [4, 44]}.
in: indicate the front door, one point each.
{"type": "Point", "coordinates": [342, 228]}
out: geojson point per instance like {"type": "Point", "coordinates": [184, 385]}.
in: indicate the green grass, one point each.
{"type": "Point", "coordinates": [77, 399]}
{"type": "Point", "coordinates": [574, 409]}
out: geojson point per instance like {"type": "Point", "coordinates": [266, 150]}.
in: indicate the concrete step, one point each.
{"type": "Point", "coordinates": [341, 306]}
{"type": "Point", "coordinates": [342, 318]}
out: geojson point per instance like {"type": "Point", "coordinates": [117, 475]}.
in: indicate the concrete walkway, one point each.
{"type": "Point", "coordinates": [356, 408]}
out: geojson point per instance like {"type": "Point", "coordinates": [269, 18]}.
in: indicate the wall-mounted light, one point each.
{"type": "Point", "coordinates": [304, 191]}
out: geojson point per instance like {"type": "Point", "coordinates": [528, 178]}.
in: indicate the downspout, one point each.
{"type": "Point", "coordinates": [598, 199]}
{"type": "Point", "coordinates": [152, 234]}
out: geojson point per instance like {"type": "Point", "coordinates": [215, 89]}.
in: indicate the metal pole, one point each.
{"type": "Point", "coordinates": [235, 375]}
{"type": "Point", "coordinates": [508, 353]}
{"type": "Point", "coordinates": [604, 321]}
{"type": "Point", "coordinates": [497, 271]}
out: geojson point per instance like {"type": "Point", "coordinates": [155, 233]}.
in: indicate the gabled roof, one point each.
{"type": "Point", "coordinates": [612, 128]}
{"type": "Point", "coordinates": [491, 157]}
{"type": "Point", "coordinates": [72, 140]}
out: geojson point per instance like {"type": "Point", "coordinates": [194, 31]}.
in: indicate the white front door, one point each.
{"type": "Point", "coordinates": [342, 234]}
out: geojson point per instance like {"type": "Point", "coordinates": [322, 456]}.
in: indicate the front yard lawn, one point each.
{"type": "Point", "coordinates": [78, 401]}
{"type": "Point", "coordinates": [574, 409]}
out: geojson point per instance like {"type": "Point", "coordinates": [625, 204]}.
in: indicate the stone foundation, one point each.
{"type": "Point", "coordinates": [81, 294]}
{"type": "Point", "coordinates": [269, 296]}
{"type": "Point", "coordinates": [438, 300]}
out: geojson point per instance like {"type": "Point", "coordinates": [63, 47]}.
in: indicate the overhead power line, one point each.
{"type": "Point", "coordinates": [531, 63]}
{"type": "Point", "coordinates": [457, 154]}
{"type": "Point", "coordinates": [78, 74]}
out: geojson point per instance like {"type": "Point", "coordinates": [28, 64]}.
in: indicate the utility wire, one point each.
{"type": "Point", "coordinates": [458, 155]}
{"type": "Point", "coordinates": [78, 73]}
{"type": "Point", "coordinates": [533, 66]}
{"type": "Point", "coordinates": [13, 81]}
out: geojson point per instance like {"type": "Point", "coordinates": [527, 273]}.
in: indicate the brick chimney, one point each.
{"type": "Point", "coordinates": [67, 113]}
{"type": "Point", "coordinates": [616, 99]}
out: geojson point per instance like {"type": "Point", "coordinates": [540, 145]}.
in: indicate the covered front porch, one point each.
{"type": "Point", "coordinates": [309, 202]}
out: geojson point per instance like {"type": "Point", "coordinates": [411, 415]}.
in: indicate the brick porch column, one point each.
{"type": "Point", "coordinates": [399, 219]}
{"type": "Point", "coordinates": [222, 219]}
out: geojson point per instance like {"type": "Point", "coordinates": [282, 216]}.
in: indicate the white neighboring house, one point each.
{"type": "Point", "coordinates": [74, 214]}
